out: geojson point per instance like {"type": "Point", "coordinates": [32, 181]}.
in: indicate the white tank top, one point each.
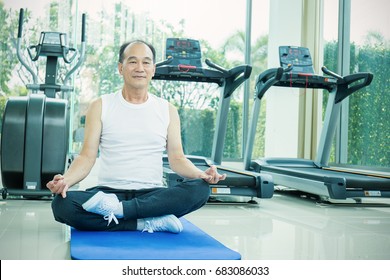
{"type": "Point", "coordinates": [133, 139]}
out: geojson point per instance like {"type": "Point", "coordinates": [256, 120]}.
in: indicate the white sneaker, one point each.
{"type": "Point", "coordinates": [103, 204]}
{"type": "Point", "coordinates": [169, 223]}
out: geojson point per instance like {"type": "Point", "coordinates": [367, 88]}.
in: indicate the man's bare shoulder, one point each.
{"type": "Point", "coordinates": [95, 104]}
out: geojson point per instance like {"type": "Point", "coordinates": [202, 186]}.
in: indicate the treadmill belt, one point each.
{"type": "Point", "coordinates": [352, 180]}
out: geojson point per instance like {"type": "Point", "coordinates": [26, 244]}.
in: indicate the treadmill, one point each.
{"type": "Point", "coordinates": [183, 63]}
{"type": "Point", "coordinates": [313, 176]}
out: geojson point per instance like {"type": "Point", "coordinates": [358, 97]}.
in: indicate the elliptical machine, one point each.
{"type": "Point", "coordinates": [35, 131]}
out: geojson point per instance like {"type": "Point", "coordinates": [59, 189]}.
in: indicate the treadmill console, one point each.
{"type": "Point", "coordinates": [184, 52]}
{"type": "Point", "coordinates": [298, 57]}
{"type": "Point", "coordinates": [183, 63]}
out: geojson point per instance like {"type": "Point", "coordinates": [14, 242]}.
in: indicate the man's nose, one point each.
{"type": "Point", "coordinates": [139, 67]}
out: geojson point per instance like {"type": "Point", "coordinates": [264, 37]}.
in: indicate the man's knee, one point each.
{"type": "Point", "coordinates": [63, 208]}
{"type": "Point", "coordinates": [199, 187]}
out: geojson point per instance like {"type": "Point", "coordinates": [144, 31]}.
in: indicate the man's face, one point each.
{"type": "Point", "coordinates": [138, 67]}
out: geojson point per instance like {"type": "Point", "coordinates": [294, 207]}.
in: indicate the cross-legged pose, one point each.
{"type": "Point", "coordinates": [131, 129]}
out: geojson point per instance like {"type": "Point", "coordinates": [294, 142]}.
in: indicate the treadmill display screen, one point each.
{"type": "Point", "coordinates": [184, 51]}
{"type": "Point", "coordinates": [185, 44]}
{"type": "Point", "coordinates": [298, 57]}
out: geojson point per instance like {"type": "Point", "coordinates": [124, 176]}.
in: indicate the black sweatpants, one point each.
{"type": "Point", "coordinates": [179, 200]}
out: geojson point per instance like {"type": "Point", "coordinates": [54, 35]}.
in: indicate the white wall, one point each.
{"type": "Point", "coordinates": [281, 133]}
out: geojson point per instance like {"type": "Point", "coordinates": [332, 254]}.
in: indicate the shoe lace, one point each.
{"type": "Point", "coordinates": [109, 217]}
{"type": "Point", "coordinates": [154, 225]}
{"type": "Point", "coordinates": [148, 227]}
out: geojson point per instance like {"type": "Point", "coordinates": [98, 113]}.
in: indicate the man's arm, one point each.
{"type": "Point", "coordinates": [83, 163]}
{"type": "Point", "coordinates": [177, 160]}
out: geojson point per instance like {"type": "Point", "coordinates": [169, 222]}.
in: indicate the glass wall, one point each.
{"type": "Point", "coordinates": [330, 31]}
{"type": "Point", "coordinates": [259, 58]}
{"type": "Point", "coordinates": [369, 113]}
{"type": "Point", "coordinates": [363, 137]}
{"type": "Point", "coordinates": [219, 25]}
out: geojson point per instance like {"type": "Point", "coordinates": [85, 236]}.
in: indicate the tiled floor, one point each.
{"type": "Point", "coordinates": [285, 227]}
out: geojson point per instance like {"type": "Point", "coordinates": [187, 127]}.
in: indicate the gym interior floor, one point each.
{"type": "Point", "coordinates": [290, 226]}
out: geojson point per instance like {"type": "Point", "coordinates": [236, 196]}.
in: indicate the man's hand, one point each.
{"type": "Point", "coordinates": [58, 185]}
{"type": "Point", "coordinates": [212, 176]}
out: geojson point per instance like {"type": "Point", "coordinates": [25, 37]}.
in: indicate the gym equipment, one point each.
{"type": "Point", "coordinates": [309, 176]}
{"type": "Point", "coordinates": [238, 183]}
{"type": "Point", "coordinates": [191, 244]}
{"type": "Point", "coordinates": [184, 52]}
{"type": "Point", "coordinates": [34, 142]}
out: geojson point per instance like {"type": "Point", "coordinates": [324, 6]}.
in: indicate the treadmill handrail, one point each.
{"type": "Point", "coordinates": [164, 62]}
{"type": "Point", "coordinates": [235, 71]}
{"type": "Point", "coordinates": [216, 66]}
{"type": "Point", "coordinates": [236, 76]}
{"type": "Point", "coordinates": [344, 88]}
{"type": "Point", "coordinates": [267, 79]}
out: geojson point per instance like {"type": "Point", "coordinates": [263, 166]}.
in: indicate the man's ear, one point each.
{"type": "Point", "coordinates": [120, 68]}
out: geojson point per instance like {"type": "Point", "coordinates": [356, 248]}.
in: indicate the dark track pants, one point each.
{"type": "Point", "coordinates": [179, 200]}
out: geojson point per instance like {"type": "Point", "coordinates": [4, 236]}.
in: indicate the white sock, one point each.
{"type": "Point", "coordinates": [140, 224]}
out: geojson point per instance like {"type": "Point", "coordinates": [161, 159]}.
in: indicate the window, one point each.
{"type": "Point", "coordinates": [331, 20]}
{"type": "Point", "coordinates": [369, 114]}
{"type": "Point", "coordinates": [362, 138]}
{"type": "Point", "coordinates": [109, 23]}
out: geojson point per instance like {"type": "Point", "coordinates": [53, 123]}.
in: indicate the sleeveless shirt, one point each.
{"type": "Point", "coordinates": [132, 142]}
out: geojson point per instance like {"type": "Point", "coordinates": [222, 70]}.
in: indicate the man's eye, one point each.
{"type": "Point", "coordinates": [132, 62]}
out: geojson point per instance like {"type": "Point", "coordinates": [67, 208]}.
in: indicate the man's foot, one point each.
{"type": "Point", "coordinates": [103, 204]}
{"type": "Point", "coordinates": [169, 223]}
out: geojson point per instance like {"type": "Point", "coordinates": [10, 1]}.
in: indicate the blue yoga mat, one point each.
{"type": "Point", "coordinates": [191, 244]}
